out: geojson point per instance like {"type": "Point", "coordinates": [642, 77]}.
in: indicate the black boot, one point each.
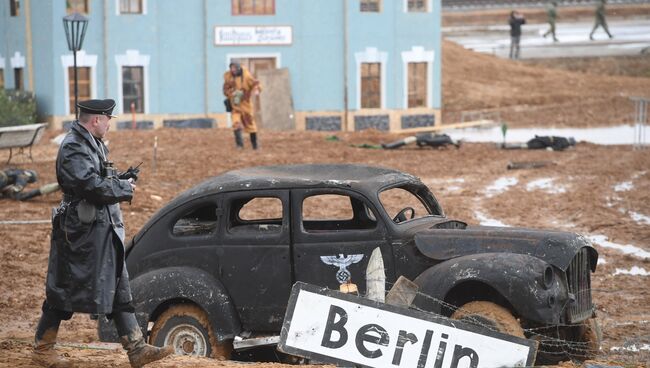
{"type": "Point", "coordinates": [46, 332]}
{"type": "Point", "coordinates": [239, 140]}
{"type": "Point", "coordinates": [139, 352]}
{"type": "Point", "coordinates": [254, 140]}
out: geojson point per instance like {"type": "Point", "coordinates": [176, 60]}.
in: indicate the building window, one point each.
{"type": "Point", "coordinates": [83, 85]}
{"type": "Point", "coordinates": [370, 6]}
{"type": "Point", "coordinates": [14, 6]}
{"type": "Point", "coordinates": [253, 7]}
{"type": "Point", "coordinates": [76, 6]}
{"type": "Point", "coordinates": [417, 89]}
{"type": "Point", "coordinates": [133, 88]}
{"type": "Point", "coordinates": [130, 6]}
{"type": "Point", "coordinates": [370, 85]}
{"type": "Point", "coordinates": [417, 6]}
{"type": "Point", "coordinates": [18, 78]}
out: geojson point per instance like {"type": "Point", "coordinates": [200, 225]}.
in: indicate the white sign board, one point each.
{"type": "Point", "coordinates": [330, 326]}
{"type": "Point", "coordinates": [252, 35]}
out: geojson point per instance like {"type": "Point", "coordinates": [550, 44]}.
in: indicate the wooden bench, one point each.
{"type": "Point", "coordinates": [21, 137]}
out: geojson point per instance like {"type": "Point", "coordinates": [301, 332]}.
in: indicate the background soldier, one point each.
{"type": "Point", "coordinates": [600, 20]}
{"type": "Point", "coordinates": [239, 86]}
{"type": "Point", "coordinates": [551, 13]}
{"type": "Point", "coordinates": [515, 21]}
{"type": "Point", "coordinates": [13, 181]}
{"type": "Point", "coordinates": [86, 271]}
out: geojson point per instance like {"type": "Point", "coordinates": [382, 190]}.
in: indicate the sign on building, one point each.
{"type": "Point", "coordinates": [329, 326]}
{"type": "Point", "coordinates": [252, 35]}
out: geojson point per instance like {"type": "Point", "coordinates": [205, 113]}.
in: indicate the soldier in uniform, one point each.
{"type": "Point", "coordinates": [551, 13]}
{"type": "Point", "coordinates": [86, 270]}
{"type": "Point", "coordinates": [239, 86]}
{"type": "Point", "coordinates": [516, 20]}
{"type": "Point", "coordinates": [13, 181]}
{"type": "Point", "coordinates": [600, 20]}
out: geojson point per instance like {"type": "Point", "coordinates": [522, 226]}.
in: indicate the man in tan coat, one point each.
{"type": "Point", "coordinates": [239, 86]}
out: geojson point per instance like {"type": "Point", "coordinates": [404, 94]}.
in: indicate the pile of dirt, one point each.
{"type": "Point", "coordinates": [527, 95]}
{"type": "Point", "coordinates": [629, 65]}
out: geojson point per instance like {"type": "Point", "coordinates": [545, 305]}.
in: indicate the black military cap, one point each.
{"type": "Point", "coordinates": [100, 107]}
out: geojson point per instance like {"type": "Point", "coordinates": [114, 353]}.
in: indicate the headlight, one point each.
{"type": "Point", "coordinates": [548, 277]}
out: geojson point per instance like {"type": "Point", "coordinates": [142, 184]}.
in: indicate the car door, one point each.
{"type": "Point", "coordinates": [334, 234]}
{"type": "Point", "coordinates": [255, 265]}
{"type": "Point", "coordinates": [185, 236]}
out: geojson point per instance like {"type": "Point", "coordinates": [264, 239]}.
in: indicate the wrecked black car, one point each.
{"type": "Point", "coordinates": [216, 265]}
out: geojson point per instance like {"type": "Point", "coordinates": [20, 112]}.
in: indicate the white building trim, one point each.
{"type": "Point", "coordinates": [83, 60]}
{"type": "Point", "coordinates": [429, 7]}
{"type": "Point", "coordinates": [2, 62]}
{"type": "Point", "coordinates": [270, 55]}
{"type": "Point", "coordinates": [417, 54]}
{"type": "Point", "coordinates": [117, 8]}
{"type": "Point", "coordinates": [371, 55]}
{"type": "Point", "coordinates": [17, 61]}
{"type": "Point", "coordinates": [132, 58]}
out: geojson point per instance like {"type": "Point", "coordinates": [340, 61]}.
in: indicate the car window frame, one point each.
{"type": "Point", "coordinates": [186, 207]}
{"type": "Point", "coordinates": [302, 235]}
{"type": "Point", "coordinates": [231, 237]}
{"type": "Point", "coordinates": [433, 206]}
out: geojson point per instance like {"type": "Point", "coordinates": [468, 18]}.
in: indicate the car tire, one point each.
{"type": "Point", "coordinates": [187, 329]}
{"type": "Point", "coordinates": [491, 316]}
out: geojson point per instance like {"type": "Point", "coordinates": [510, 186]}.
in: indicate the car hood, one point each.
{"type": "Point", "coordinates": [555, 247]}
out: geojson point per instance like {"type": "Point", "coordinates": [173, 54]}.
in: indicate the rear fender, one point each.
{"type": "Point", "coordinates": [153, 291]}
{"type": "Point", "coordinates": [517, 278]}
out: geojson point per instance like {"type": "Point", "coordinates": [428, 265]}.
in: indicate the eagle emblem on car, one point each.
{"type": "Point", "coordinates": [342, 262]}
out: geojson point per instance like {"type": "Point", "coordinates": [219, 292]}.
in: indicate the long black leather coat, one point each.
{"type": "Point", "coordinates": [87, 259]}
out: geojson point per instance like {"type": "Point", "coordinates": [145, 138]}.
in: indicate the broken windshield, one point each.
{"type": "Point", "coordinates": [408, 202]}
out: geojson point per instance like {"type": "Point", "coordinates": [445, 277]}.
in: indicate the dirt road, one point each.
{"type": "Point", "coordinates": [595, 190]}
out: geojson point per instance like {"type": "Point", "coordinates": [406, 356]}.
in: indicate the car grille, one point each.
{"type": "Point", "coordinates": [579, 279]}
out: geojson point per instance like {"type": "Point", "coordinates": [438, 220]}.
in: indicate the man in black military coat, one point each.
{"type": "Point", "coordinates": [86, 270]}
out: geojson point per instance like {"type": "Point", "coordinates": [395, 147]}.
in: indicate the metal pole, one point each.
{"type": "Point", "coordinates": [76, 92]}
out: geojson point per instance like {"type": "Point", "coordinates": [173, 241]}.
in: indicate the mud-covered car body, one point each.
{"type": "Point", "coordinates": [198, 249]}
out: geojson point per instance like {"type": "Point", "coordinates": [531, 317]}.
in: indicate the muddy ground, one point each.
{"type": "Point", "coordinates": [595, 190]}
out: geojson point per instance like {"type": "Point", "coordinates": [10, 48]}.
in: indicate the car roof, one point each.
{"type": "Point", "coordinates": [360, 177]}
{"type": "Point", "coordinates": [304, 176]}
{"type": "Point", "coordinates": [363, 178]}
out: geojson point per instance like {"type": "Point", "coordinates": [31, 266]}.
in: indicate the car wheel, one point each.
{"type": "Point", "coordinates": [491, 316]}
{"type": "Point", "coordinates": [187, 329]}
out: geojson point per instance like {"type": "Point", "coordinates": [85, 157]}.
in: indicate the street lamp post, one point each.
{"type": "Point", "coordinates": [75, 30]}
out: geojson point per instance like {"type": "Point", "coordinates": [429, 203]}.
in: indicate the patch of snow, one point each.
{"type": "Point", "coordinates": [638, 174]}
{"type": "Point", "coordinates": [453, 188]}
{"type": "Point", "coordinates": [486, 221]}
{"type": "Point", "coordinates": [621, 134]}
{"type": "Point", "coordinates": [634, 271]}
{"type": "Point", "coordinates": [640, 218]}
{"type": "Point", "coordinates": [545, 184]}
{"type": "Point", "coordinates": [632, 348]}
{"type": "Point", "coordinates": [602, 241]}
{"type": "Point", "coordinates": [499, 186]}
{"type": "Point", "coordinates": [602, 261]}
{"type": "Point", "coordinates": [624, 186]}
